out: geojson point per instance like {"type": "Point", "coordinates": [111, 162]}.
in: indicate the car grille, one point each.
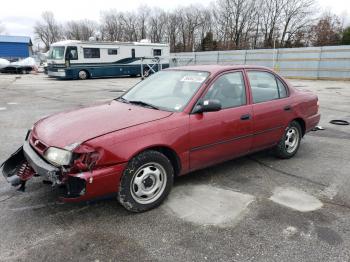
{"type": "Point", "coordinates": [38, 145]}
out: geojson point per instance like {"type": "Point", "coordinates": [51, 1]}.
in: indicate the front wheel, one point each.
{"type": "Point", "coordinates": [146, 181]}
{"type": "Point", "coordinates": [290, 142]}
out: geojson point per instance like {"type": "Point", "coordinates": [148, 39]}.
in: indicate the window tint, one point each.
{"type": "Point", "coordinates": [264, 86]}
{"type": "Point", "coordinates": [91, 53]}
{"type": "Point", "coordinates": [72, 53]}
{"type": "Point", "coordinates": [157, 52]}
{"type": "Point", "coordinates": [229, 89]}
{"type": "Point", "coordinates": [112, 51]}
{"type": "Point", "coordinates": [281, 88]}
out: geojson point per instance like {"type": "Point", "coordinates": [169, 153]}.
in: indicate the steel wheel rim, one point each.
{"type": "Point", "coordinates": [291, 139]}
{"type": "Point", "coordinates": [148, 183]}
{"type": "Point", "coordinates": [82, 75]}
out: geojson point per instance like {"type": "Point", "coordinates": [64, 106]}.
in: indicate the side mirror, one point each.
{"type": "Point", "coordinates": [207, 106]}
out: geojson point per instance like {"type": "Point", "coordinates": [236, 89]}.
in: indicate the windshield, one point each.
{"type": "Point", "coordinates": [167, 90]}
{"type": "Point", "coordinates": [57, 52]}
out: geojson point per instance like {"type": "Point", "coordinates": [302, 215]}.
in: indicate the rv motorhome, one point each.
{"type": "Point", "coordinates": [73, 59]}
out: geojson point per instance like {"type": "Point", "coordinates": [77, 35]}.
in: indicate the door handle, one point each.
{"type": "Point", "coordinates": [287, 108]}
{"type": "Point", "coordinates": [245, 117]}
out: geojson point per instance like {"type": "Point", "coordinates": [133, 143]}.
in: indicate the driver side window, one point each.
{"type": "Point", "coordinates": [229, 89]}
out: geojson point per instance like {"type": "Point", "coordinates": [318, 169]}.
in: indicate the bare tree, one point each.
{"type": "Point", "coordinates": [48, 30]}
{"type": "Point", "coordinates": [111, 26]}
{"type": "Point", "coordinates": [225, 24]}
{"type": "Point", "coordinates": [158, 24]}
{"type": "Point", "coordinates": [143, 13]}
{"type": "Point", "coordinates": [80, 30]}
{"type": "Point", "coordinates": [296, 16]}
{"type": "Point", "coordinates": [129, 23]}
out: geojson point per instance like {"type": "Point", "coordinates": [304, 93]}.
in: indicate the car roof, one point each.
{"type": "Point", "coordinates": [217, 68]}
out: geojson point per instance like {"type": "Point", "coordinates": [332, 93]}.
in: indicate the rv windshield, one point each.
{"type": "Point", "coordinates": [57, 53]}
{"type": "Point", "coordinates": [166, 90]}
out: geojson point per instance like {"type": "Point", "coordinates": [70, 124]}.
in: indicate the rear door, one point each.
{"type": "Point", "coordinates": [271, 108]}
{"type": "Point", "coordinates": [225, 134]}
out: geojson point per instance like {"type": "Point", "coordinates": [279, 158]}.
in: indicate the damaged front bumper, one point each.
{"type": "Point", "coordinates": [26, 163]}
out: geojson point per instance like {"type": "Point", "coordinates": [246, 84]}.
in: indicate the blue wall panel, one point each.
{"type": "Point", "coordinates": [14, 50]}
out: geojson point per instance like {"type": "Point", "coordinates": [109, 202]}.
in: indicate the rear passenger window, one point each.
{"type": "Point", "coordinates": [229, 89]}
{"type": "Point", "coordinates": [265, 86]}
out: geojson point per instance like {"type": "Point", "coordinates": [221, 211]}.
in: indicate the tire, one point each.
{"type": "Point", "coordinates": [146, 181]}
{"type": "Point", "coordinates": [83, 75]}
{"type": "Point", "coordinates": [290, 142]}
{"type": "Point", "coordinates": [146, 72]}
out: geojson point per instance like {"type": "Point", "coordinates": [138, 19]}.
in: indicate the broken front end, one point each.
{"type": "Point", "coordinates": [76, 174]}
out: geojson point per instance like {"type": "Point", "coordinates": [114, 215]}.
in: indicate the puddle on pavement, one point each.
{"type": "Point", "coordinates": [295, 199]}
{"type": "Point", "coordinates": [207, 205]}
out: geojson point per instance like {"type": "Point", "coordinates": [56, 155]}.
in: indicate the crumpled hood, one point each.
{"type": "Point", "coordinates": [83, 124]}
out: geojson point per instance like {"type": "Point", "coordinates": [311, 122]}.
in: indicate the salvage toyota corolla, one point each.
{"type": "Point", "coordinates": [172, 123]}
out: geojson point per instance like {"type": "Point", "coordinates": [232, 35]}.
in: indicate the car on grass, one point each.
{"type": "Point", "coordinates": [176, 121]}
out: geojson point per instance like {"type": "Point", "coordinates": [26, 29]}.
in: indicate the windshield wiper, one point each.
{"type": "Point", "coordinates": [123, 100]}
{"type": "Point", "coordinates": [141, 103]}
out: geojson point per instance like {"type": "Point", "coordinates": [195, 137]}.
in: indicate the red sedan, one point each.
{"type": "Point", "coordinates": [176, 121]}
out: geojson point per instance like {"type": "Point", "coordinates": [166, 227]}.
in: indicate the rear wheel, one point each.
{"type": "Point", "coordinates": [146, 181]}
{"type": "Point", "coordinates": [290, 142]}
{"type": "Point", "coordinates": [83, 75]}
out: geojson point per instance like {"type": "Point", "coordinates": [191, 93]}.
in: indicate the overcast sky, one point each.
{"type": "Point", "coordinates": [19, 16]}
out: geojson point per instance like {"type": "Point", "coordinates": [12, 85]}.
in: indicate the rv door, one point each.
{"type": "Point", "coordinates": [71, 54]}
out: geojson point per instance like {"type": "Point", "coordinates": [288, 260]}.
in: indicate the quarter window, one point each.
{"type": "Point", "coordinates": [157, 52]}
{"type": "Point", "coordinates": [112, 51]}
{"type": "Point", "coordinates": [91, 53]}
{"type": "Point", "coordinates": [265, 86]}
{"type": "Point", "coordinates": [281, 89]}
{"type": "Point", "coordinates": [229, 89]}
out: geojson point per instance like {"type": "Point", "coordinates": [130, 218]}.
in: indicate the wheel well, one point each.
{"type": "Point", "coordinates": [171, 155]}
{"type": "Point", "coordinates": [302, 125]}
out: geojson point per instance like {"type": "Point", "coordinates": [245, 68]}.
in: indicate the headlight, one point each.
{"type": "Point", "coordinates": [58, 156]}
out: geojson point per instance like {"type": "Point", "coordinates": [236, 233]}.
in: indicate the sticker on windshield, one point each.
{"type": "Point", "coordinates": [196, 79]}
{"type": "Point", "coordinates": [177, 107]}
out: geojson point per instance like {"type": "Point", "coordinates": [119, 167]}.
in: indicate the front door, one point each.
{"type": "Point", "coordinates": [225, 134]}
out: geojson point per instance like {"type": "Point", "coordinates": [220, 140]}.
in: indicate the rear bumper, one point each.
{"type": "Point", "coordinates": [312, 122]}
{"type": "Point", "coordinates": [76, 186]}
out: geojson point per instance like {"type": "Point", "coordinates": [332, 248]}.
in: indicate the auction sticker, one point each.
{"type": "Point", "coordinates": [196, 79]}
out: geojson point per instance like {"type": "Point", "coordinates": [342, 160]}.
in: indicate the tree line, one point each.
{"type": "Point", "coordinates": [223, 25]}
